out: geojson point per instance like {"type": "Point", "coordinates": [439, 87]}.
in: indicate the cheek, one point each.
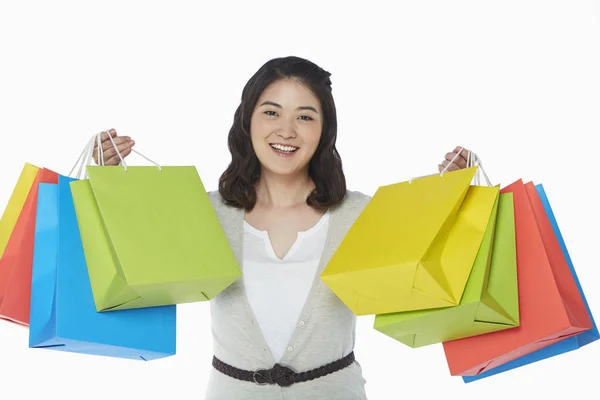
{"type": "Point", "coordinates": [257, 127]}
{"type": "Point", "coordinates": [313, 136]}
{"type": "Point", "coordinates": [257, 135]}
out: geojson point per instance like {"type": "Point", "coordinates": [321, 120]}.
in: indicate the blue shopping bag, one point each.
{"type": "Point", "coordinates": [63, 314]}
{"type": "Point", "coordinates": [564, 346]}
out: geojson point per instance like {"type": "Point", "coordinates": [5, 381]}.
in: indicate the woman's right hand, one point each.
{"type": "Point", "coordinates": [123, 143]}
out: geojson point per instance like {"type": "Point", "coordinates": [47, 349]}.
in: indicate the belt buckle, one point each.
{"type": "Point", "coordinates": [259, 371]}
{"type": "Point", "coordinates": [279, 374]}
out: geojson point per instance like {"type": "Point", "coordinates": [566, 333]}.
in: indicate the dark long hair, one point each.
{"type": "Point", "coordinates": [237, 183]}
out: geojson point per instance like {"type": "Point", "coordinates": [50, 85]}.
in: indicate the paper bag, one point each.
{"type": "Point", "coordinates": [551, 308]}
{"type": "Point", "coordinates": [490, 302]}
{"type": "Point", "coordinates": [564, 346]}
{"type": "Point", "coordinates": [151, 237]}
{"type": "Point", "coordinates": [17, 259]}
{"type": "Point", "coordinates": [63, 314]}
{"type": "Point", "coordinates": [407, 250]}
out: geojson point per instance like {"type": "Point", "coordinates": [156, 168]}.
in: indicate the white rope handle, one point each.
{"type": "Point", "coordinates": [86, 156]}
{"type": "Point", "coordinates": [470, 163]}
{"type": "Point", "coordinates": [123, 160]}
{"type": "Point", "coordinates": [84, 159]}
{"type": "Point", "coordinates": [100, 149]}
{"type": "Point", "coordinates": [443, 170]}
{"type": "Point", "coordinates": [476, 161]}
{"type": "Point", "coordinates": [81, 159]}
{"type": "Point", "coordinates": [89, 157]}
{"type": "Point", "coordinates": [473, 160]}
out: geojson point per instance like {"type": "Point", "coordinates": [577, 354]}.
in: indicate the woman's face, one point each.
{"type": "Point", "coordinates": [286, 127]}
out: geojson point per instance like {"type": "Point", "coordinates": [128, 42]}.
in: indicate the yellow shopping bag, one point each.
{"type": "Point", "coordinates": [15, 203]}
{"type": "Point", "coordinates": [407, 250]}
{"type": "Point", "coordinates": [490, 301]}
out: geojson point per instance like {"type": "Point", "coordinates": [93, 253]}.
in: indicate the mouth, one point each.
{"type": "Point", "coordinates": [283, 149]}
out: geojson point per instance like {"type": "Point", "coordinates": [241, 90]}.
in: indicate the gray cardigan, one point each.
{"type": "Point", "coordinates": [325, 331]}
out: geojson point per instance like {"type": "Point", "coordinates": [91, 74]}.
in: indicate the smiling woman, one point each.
{"type": "Point", "coordinates": [287, 108]}
{"type": "Point", "coordinates": [279, 332]}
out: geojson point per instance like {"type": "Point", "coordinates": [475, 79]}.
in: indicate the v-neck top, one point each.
{"type": "Point", "coordinates": [286, 280]}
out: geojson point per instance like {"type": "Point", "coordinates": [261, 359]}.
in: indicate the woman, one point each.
{"type": "Point", "coordinates": [280, 333]}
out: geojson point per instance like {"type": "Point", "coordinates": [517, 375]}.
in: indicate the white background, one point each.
{"type": "Point", "coordinates": [516, 81]}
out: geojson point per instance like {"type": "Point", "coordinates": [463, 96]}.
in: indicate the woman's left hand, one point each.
{"type": "Point", "coordinates": [459, 162]}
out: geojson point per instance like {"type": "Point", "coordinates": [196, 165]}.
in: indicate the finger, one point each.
{"type": "Point", "coordinates": [459, 160]}
{"type": "Point", "coordinates": [114, 160]}
{"type": "Point", "coordinates": [449, 166]}
{"type": "Point", "coordinates": [108, 144]}
{"type": "Point", "coordinates": [464, 153]}
{"type": "Point", "coordinates": [112, 132]}
{"type": "Point", "coordinates": [105, 134]}
{"type": "Point", "coordinates": [112, 153]}
{"type": "Point", "coordinates": [104, 138]}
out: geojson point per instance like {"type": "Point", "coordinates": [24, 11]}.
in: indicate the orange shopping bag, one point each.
{"type": "Point", "coordinates": [551, 307]}
{"type": "Point", "coordinates": [17, 258]}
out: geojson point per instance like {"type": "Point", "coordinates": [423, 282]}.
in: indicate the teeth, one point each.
{"type": "Point", "coordinates": [280, 147]}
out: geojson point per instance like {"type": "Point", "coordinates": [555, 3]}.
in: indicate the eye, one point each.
{"type": "Point", "coordinates": [306, 118]}
{"type": "Point", "coordinates": [271, 113]}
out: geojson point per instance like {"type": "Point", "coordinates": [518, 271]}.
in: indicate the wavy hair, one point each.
{"type": "Point", "coordinates": [237, 185]}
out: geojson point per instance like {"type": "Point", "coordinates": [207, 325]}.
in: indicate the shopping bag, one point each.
{"type": "Point", "coordinates": [550, 306]}
{"type": "Point", "coordinates": [63, 314]}
{"type": "Point", "coordinates": [490, 302]}
{"type": "Point", "coordinates": [151, 237]}
{"type": "Point", "coordinates": [566, 345]}
{"type": "Point", "coordinates": [17, 259]}
{"type": "Point", "coordinates": [9, 219]}
{"type": "Point", "coordinates": [15, 204]}
{"type": "Point", "coordinates": [407, 251]}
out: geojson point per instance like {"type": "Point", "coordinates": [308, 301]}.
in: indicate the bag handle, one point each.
{"type": "Point", "coordinates": [472, 161]}
{"type": "Point", "coordinates": [84, 158]}
{"type": "Point", "coordinates": [443, 170]}
{"type": "Point", "coordinates": [86, 155]}
{"type": "Point", "coordinates": [121, 157]}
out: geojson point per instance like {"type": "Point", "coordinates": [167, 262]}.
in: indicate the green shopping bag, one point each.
{"type": "Point", "coordinates": [490, 301]}
{"type": "Point", "coordinates": [151, 237]}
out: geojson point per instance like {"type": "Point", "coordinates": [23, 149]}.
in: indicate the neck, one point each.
{"type": "Point", "coordinates": [283, 191]}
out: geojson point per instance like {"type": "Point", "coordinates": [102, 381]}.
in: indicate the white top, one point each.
{"type": "Point", "coordinates": [277, 289]}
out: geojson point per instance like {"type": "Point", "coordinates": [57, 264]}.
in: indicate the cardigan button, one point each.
{"type": "Point", "coordinates": [302, 323]}
{"type": "Point", "coordinates": [290, 348]}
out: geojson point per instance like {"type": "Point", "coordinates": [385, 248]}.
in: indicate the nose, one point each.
{"type": "Point", "coordinates": [287, 129]}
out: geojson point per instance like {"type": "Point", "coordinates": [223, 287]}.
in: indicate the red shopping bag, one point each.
{"type": "Point", "coordinates": [551, 307]}
{"type": "Point", "coordinates": [17, 260]}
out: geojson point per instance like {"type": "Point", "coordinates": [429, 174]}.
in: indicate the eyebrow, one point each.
{"type": "Point", "coordinates": [271, 103]}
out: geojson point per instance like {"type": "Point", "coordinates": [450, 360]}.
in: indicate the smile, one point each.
{"type": "Point", "coordinates": [283, 149]}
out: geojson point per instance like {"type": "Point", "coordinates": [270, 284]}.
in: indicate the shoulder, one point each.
{"type": "Point", "coordinates": [351, 206]}
{"type": "Point", "coordinates": [216, 199]}
{"type": "Point", "coordinates": [355, 199]}
{"type": "Point", "coordinates": [225, 212]}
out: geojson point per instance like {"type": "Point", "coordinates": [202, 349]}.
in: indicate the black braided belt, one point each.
{"type": "Point", "coordinates": [280, 374]}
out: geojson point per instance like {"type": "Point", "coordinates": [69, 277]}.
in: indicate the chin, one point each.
{"type": "Point", "coordinates": [277, 170]}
